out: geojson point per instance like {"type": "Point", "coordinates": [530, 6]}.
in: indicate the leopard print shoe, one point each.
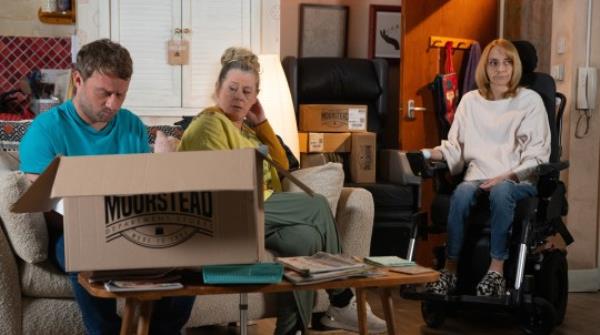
{"type": "Point", "coordinates": [446, 283]}
{"type": "Point", "coordinates": [492, 284]}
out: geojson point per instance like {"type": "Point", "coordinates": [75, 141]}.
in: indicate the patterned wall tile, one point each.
{"type": "Point", "coordinates": [20, 55]}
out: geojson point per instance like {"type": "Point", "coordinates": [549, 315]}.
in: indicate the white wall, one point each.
{"type": "Point", "coordinates": [583, 180]}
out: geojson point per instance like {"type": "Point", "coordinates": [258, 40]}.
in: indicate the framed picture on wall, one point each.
{"type": "Point", "coordinates": [384, 31]}
{"type": "Point", "coordinates": [323, 30]}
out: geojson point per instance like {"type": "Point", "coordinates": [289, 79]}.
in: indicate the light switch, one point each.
{"type": "Point", "coordinates": [561, 45]}
{"type": "Point", "coordinates": [558, 72]}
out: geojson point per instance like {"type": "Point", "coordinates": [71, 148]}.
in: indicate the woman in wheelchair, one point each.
{"type": "Point", "coordinates": [499, 134]}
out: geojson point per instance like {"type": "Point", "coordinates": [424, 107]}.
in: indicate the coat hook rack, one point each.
{"type": "Point", "coordinates": [457, 43]}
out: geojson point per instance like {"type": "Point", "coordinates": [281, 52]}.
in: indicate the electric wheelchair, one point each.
{"type": "Point", "coordinates": [536, 271]}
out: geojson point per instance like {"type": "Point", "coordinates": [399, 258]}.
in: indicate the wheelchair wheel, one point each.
{"type": "Point", "coordinates": [434, 313]}
{"type": "Point", "coordinates": [539, 318]}
{"type": "Point", "coordinates": [552, 282]}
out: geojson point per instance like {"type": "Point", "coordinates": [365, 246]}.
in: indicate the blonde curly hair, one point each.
{"type": "Point", "coordinates": [240, 59]}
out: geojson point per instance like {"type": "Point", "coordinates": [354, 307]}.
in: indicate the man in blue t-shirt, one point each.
{"type": "Point", "coordinates": [93, 123]}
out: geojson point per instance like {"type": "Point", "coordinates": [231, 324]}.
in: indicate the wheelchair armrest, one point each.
{"type": "Point", "coordinates": [423, 167]}
{"type": "Point", "coordinates": [549, 177]}
{"type": "Point", "coordinates": [551, 168]}
{"type": "Point", "coordinates": [394, 167]}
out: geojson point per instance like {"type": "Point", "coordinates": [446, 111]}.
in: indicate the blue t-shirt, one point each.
{"type": "Point", "coordinates": [61, 131]}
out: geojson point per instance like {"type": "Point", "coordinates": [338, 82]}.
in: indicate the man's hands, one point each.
{"type": "Point", "coordinates": [488, 184]}
{"type": "Point", "coordinates": [164, 143]}
{"type": "Point", "coordinates": [256, 115]}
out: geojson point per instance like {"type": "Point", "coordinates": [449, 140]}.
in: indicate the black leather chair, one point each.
{"type": "Point", "coordinates": [317, 80]}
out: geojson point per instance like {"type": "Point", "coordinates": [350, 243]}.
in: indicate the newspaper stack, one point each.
{"type": "Point", "coordinates": [322, 267]}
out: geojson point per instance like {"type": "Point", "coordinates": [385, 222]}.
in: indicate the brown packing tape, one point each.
{"type": "Point", "coordinates": [284, 172]}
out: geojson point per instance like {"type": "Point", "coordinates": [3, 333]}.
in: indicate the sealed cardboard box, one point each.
{"type": "Point", "coordinates": [315, 159]}
{"type": "Point", "coordinates": [324, 142]}
{"type": "Point", "coordinates": [333, 118]}
{"type": "Point", "coordinates": [362, 157]}
{"type": "Point", "coordinates": [181, 209]}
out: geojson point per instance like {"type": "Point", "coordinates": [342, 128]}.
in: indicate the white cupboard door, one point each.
{"type": "Point", "coordinates": [144, 27]}
{"type": "Point", "coordinates": [214, 26]}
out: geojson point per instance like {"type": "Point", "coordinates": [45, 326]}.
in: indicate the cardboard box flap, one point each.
{"type": "Point", "coordinates": [37, 197]}
{"type": "Point", "coordinates": [227, 170]}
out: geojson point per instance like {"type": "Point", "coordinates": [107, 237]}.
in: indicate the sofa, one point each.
{"type": "Point", "coordinates": [36, 298]}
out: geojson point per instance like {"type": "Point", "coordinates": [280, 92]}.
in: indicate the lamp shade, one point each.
{"type": "Point", "coordinates": [277, 102]}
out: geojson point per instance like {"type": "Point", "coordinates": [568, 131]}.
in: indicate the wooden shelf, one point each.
{"type": "Point", "coordinates": [67, 17]}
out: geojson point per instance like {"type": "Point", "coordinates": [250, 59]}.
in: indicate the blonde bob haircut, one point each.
{"type": "Point", "coordinates": [481, 77]}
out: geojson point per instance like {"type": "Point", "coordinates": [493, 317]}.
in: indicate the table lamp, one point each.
{"type": "Point", "coordinates": [277, 102]}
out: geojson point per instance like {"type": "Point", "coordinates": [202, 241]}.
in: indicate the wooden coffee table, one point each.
{"type": "Point", "coordinates": [143, 301]}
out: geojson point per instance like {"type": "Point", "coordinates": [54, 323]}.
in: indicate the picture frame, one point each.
{"type": "Point", "coordinates": [385, 31]}
{"type": "Point", "coordinates": [323, 30]}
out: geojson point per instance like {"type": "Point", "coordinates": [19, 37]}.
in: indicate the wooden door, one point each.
{"type": "Point", "coordinates": [213, 26]}
{"type": "Point", "coordinates": [144, 27]}
{"type": "Point", "coordinates": [476, 20]}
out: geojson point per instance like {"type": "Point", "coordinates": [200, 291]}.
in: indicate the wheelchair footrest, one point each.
{"type": "Point", "coordinates": [504, 300]}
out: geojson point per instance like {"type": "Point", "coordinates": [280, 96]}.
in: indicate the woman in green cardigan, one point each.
{"type": "Point", "coordinates": [295, 224]}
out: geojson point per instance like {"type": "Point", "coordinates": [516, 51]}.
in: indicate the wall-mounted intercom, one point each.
{"type": "Point", "coordinates": [587, 88]}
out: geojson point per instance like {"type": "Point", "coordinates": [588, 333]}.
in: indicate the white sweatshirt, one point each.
{"type": "Point", "coordinates": [493, 137]}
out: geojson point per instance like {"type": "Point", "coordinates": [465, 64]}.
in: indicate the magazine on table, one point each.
{"type": "Point", "coordinates": [412, 270]}
{"type": "Point", "coordinates": [298, 279]}
{"type": "Point", "coordinates": [320, 262]}
{"type": "Point", "coordinates": [135, 286]}
{"type": "Point", "coordinates": [148, 275]}
{"type": "Point", "coordinates": [389, 261]}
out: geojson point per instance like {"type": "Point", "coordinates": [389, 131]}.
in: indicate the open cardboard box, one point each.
{"type": "Point", "coordinates": [140, 211]}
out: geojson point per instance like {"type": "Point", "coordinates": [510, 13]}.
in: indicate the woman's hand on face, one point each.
{"type": "Point", "coordinates": [256, 115]}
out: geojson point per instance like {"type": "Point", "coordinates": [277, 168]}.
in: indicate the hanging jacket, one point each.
{"type": "Point", "coordinates": [469, 83]}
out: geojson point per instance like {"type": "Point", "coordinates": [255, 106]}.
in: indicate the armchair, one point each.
{"type": "Point", "coordinates": [396, 194]}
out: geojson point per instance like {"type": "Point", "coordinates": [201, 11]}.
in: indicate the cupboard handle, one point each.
{"type": "Point", "coordinates": [177, 30]}
{"type": "Point", "coordinates": [187, 30]}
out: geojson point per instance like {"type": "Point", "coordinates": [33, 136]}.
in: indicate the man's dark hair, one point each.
{"type": "Point", "coordinates": [105, 57]}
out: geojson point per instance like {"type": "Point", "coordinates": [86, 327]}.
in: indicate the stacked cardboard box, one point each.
{"type": "Point", "coordinates": [328, 131]}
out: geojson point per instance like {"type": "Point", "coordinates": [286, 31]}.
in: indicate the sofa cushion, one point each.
{"type": "Point", "coordinates": [10, 296]}
{"type": "Point", "coordinates": [27, 232]}
{"type": "Point", "coordinates": [44, 280]}
{"type": "Point", "coordinates": [326, 180]}
{"type": "Point", "coordinates": [51, 317]}
{"type": "Point", "coordinates": [9, 161]}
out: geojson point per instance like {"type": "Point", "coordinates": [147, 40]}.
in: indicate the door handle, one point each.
{"type": "Point", "coordinates": [410, 111]}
